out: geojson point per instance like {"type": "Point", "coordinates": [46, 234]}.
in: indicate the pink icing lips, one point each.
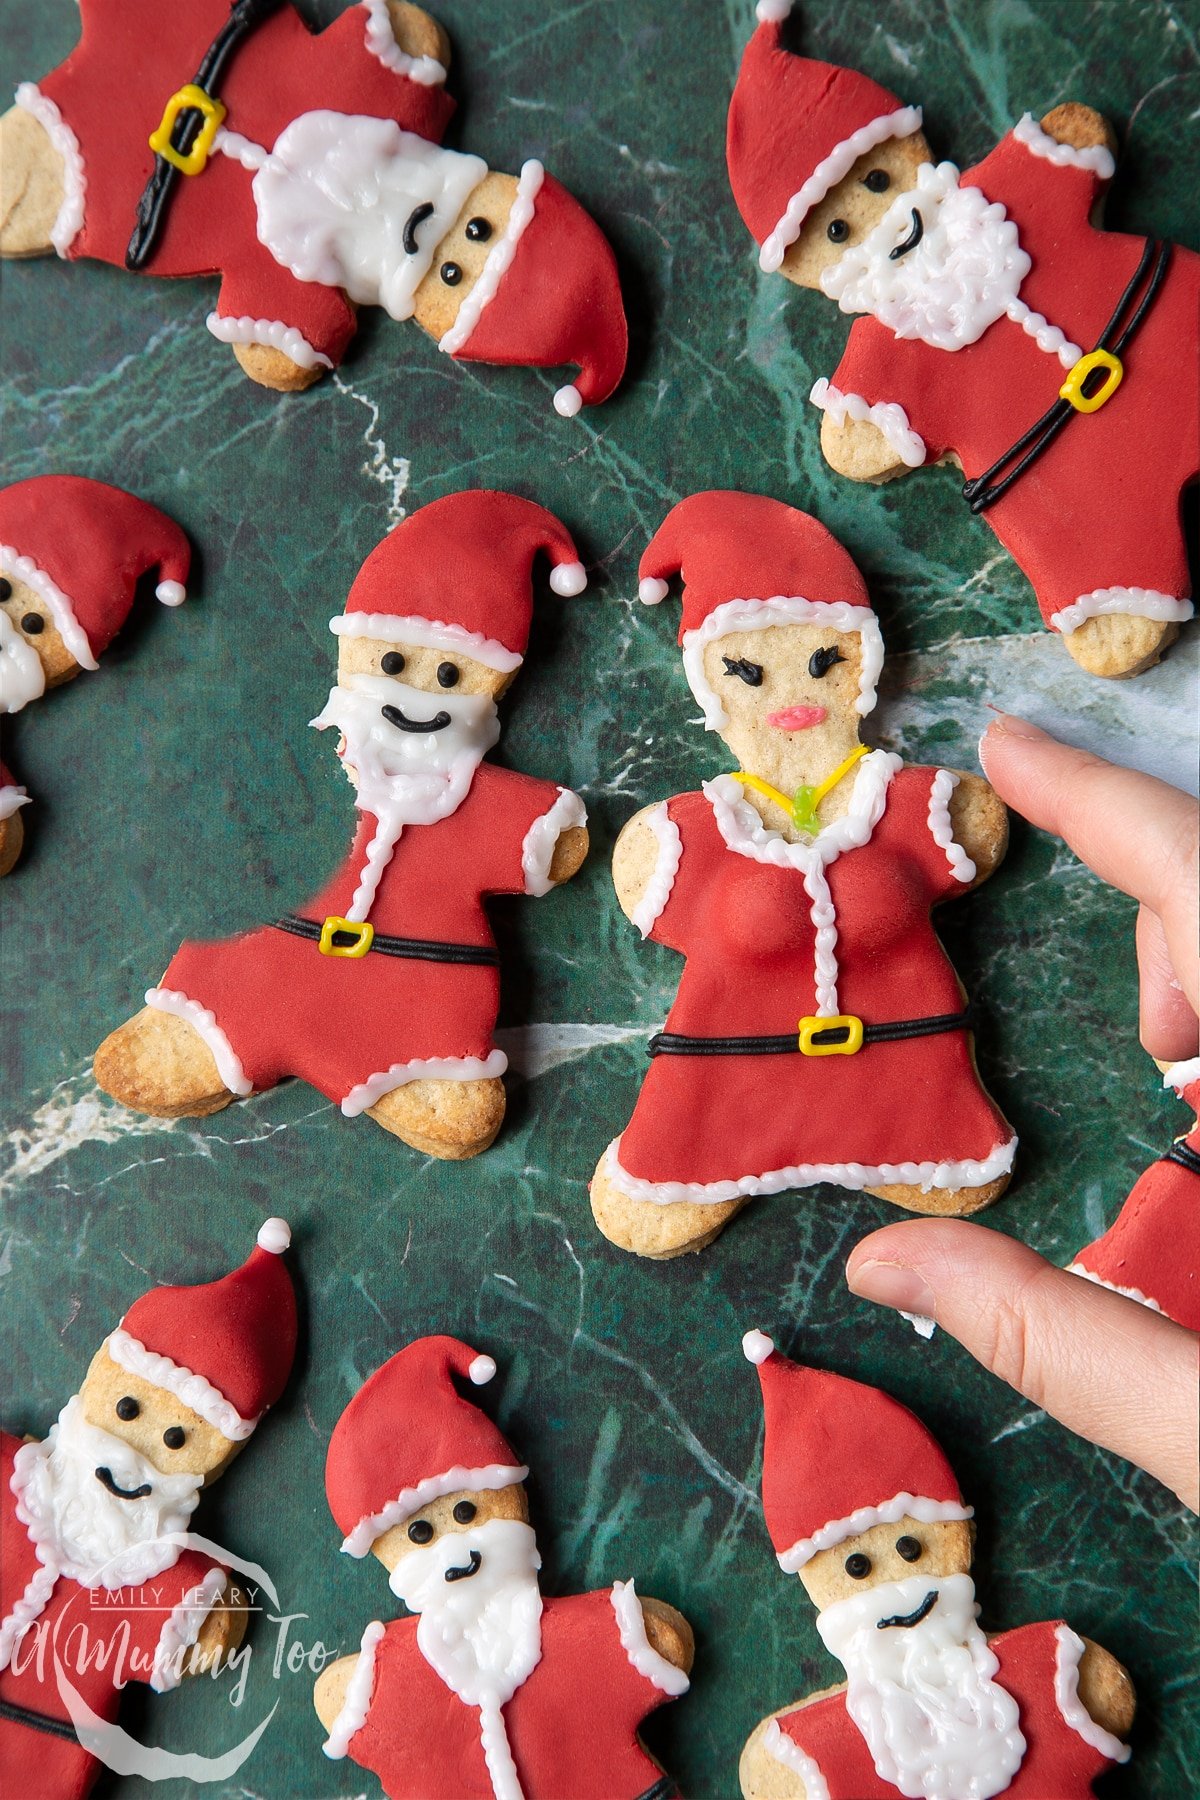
{"type": "Point", "coordinates": [797, 718]}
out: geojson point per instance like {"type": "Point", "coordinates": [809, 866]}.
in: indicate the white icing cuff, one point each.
{"type": "Point", "coordinates": [427, 634]}
{"type": "Point", "coordinates": [67, 225]}
{"type": "Point", "coordinates": [1181, 1075]}
{"type": "Point", "coordinates": [23, 568]}
{"type": "Point", "coordinates": [757, 1346]}
{"type": "Point", "coordinates": [229, 1063]}
{"type": "Point", "coordinates": [171, 593]}
{"type": "Point", "coordinates": [781, 609]}
{"type": "Point", "coordinates": [274, 1236]}
{"type": "Point", "coordinates": [194, 1391]}
{"type": "Point", "coordinates": [11, 798]}
{"type": "Point", "coordinates": [182, 1629]}
{"type": "Point", "coordinates": [785, 1750]}
{"type": "Point", "coordinates": [568, 579]}
{"type": "Point", "coordinates": [645, 1659]}
{"type": "Point", "coordinates": [828, 172]}
{"type": "Point", "coordinates": [1114, 1287]}
{"type": "Point", "coordinates": [1067, 1657]}
{"type": "Point", "coordinates": [426, 71]}
{"type": "Point", "coordinates": [900, 1506]}
{"type": "Point", "coordinates": [359, 1689]}
{"type": "Point", "coordinates": [1144, 603]}
{"type": "Point", "coordinates": [499, 259]}
{"type": "Point", "coordinates": [410, 1500]}
{"type": "Point", "coordinates": [888, 417]}
{"type": "Point", "coordinates": [537, 852]}
{"type": "Point", "coordinates": [666, 866]}
{"type": "Point", "coordinates": [428, 1068]}
{"type": "Point", "coordinates": [272, 333]}
{"type": "Point", "coordinates": [1096, 157]}
{"type": "Point", "coordinates": [942, 831]}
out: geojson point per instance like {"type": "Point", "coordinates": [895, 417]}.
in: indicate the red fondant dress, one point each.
{"type": "Point", "coordinates": [1099, 510]}
{"type": "Point", "coordinates": [774, 932]}
{"type": "Point", "coordinates": [1065, 1749]}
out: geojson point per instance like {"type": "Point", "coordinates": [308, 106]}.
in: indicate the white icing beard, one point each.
{"type": "Point", "coordinates": [80, 1528]}
{"type": "Point", "coordinates": [409, 777]}
{"type": "Point", "coordinates": [482, 1634]}
{"type": "Point", "coordinates": [22, 677]}
{"type": "Point", "coordinates": [336, 193]}
{"type": "Point", "coordinates": [957, 281]}
{"type": "Point", "coordinates": [937, 1725]}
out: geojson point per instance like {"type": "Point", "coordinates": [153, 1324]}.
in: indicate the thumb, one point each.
{"type": "Point", "coordinates": [1116, 1372]}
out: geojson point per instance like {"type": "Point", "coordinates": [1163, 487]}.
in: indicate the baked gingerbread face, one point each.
{"type": "Point", "coordinates": [886, 1554]}
{"type": "Point", "coordinates": [463, 1511]}
{"type": "Point", "coordinates": [432, 670]}
{"type": "Point", "coordinates": [851, 210]}
{"type": "Point", "coordinates": [459, 259]}
{"type": "Point", "coordinates": [32, 620]}
{"type": "Point", "coordinates": [152, 1421]}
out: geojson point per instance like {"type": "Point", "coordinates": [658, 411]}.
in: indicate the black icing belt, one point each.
{"type": "Point", "coordinates": [24, 1715]}
{"type": "Point", "coordinates": [244, 17]}
{"type": "Point", "coordinates": [984, 490]}
{"type": "Point", "coordinates": [663, 1789]}
{"type": "Point", "coordinates": [1184, 1155]}
{"type": "Point", "coordinates": [674, 1043]}
{"type": "Point", "coordinates": [422, 949]}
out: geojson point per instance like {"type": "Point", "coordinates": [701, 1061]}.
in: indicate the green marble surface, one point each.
{"type": "Point", "coordinates": [178, 790]}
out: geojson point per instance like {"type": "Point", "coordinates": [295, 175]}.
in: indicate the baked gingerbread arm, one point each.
{"type": "Point", "coordinates": [569, 853]}
{"type": "Point", "coordinates": [1106, 1690]}
{"type": "Point", "coordinates": [979, 819]}
{"type": "Point", "coordinates": [1082, 127]}
{"type": "Point", "coordinates": [859, 450]}
{"type": "Point", "coordinates": [329, 1689]}
{"type": "Point", "coordinates": [417, 33]}
{"type": "Point", "coordinates": [635, 854]}
{"type": "Point", "coordinates": [668, 1632]}
{"type": "Point", "coordinates": [220, 1635]}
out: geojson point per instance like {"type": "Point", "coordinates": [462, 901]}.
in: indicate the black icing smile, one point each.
{"type": "Point", "coordinates": [912, 240]}
{"type": "Point", "coordinates": [137, 1493]}
{"type": "Point", "coordinates": [394, 716]}
{"type": "Point", "coordinates": [472, 1568]}
{"type": "Point", "coordinates": [416, 217]}
{"type": "Point", "coordinates": [913, 1618]}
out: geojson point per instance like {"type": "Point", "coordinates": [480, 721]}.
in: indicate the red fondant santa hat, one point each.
{"type": "Point", "coordinates": [224, 1349]}
{"type": "Point", "coordinates": [748, 562]}
{"type": "Point", "coordinates": [457, 575]}
{"type": "Point", "coordinates": [82, 547]}
{"type": "Point", "coordinates": [548, 294]}
{"type": "Point", "coordinates": [840, 1457]}
{"type": "Point", "coordinates": [796, 128]}
{"type": "Point", "coordinates": [408, 1436]}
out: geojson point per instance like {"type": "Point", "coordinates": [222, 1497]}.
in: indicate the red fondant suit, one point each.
{"type": "Point", "coordinates": [746, 927]}
{"type": "Point", "coordinates": [572, 1725]}
{"type": "Point", "coordinates": [1100, 507]}
{"type": "Point", "coordinates": [111, 91]}
{"type": "Point", "coordinates": [288, 1010]}
{"type": "Point", "coordinates": [1059, 1764]}
{"type": "Point", "coordinates": [100, 1639]}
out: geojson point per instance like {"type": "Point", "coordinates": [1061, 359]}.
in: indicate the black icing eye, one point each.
{"type": "Point", "coordinates": [858, 1566]}
{"type": "Point", "coordinates": [821, 661]}
{"type": "Point", "coordinates": [479, 230]}
{"type": "Point", "coordinates": [749, 672]}
{"type": "Point", "coordinates": [420, 1531]}
{"type": "Point", "coordinates": [173, 1437]}
{"type": "Point", "coordinates": [910, 1548]}
{"type": "Point", "coordinates": [878, 181]}
{"type": "Point", "coordinates": [450, 273]}
{"type": "Point", "coordinates": [448, 674]}
{"type": "Point", "coordinates": [5, 589]}
{"type": "Point", "coordinates": [837, 231]}
{"type": "Point", "coordinates": [392, 663]}
{"type": "Point", "coordinates": [465, 1511]}
{"type": "Point", "coordinates": [127, 1408]}
{"type": "Point", "coordinates": [32, 624]}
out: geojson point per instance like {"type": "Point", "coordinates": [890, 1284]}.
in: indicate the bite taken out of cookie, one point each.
{"type": "Point", "coordinates": [383, 990]}
{"type": "Point", "coordinates": [997, 326]}
{"type": "Point", "coordinates": [306, 169]}
{"type": "Point", "coordinates": [819, 1033]}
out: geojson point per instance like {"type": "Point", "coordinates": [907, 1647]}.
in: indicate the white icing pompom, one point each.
{"type": "Point", "coordinates": [171, 593]}
{"type": "Point", "coordinates": [652, 590]}
{"type": "Point", "coordinates": [274, 1235]}
{"type": "Point", "coordinates": [568, 401]}
{"type": "Point", "coordinates": [482, 1370]}
{"type": "Point", "coordinates": [568, 579]}
{"type": "Point", "coordinates": [757, 1346]}
{"type": "Point", "coordinates": [773, 12]}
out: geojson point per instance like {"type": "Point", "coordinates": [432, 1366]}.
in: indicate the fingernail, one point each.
{"type": "Point", "coordinates": [892, 1285]}
{"type": "Point", "coordinates": [1006, 725]}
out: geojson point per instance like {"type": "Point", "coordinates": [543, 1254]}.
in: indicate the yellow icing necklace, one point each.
{"type": "Point", "coordinates": [802, 807]}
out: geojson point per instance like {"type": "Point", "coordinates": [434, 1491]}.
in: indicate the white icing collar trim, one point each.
{"type": "Point", "coordinates": [1114, 1287]}
{"type": "Point", "coordinates": [359, 1690]}
{"type": "Point", "coordinates": [274, 333]}
{"type": "Point", "coordinates": [422, 1068]}
{"type": "Point", "coordinates": [427, 634]}
{"type": "Point", "coordinates": [666, 866]}
{"type": "Point", "coordinates": [900, 1506]}
{"type": "Point", "coordinates": [426, 71]}
{"type": "Point", "coordinates": [67, 225]}
{"type": "Point", "coordinates": [537, 852]}
{"type": "Point", "coordinates": [745, 833]}
{"type": "Point", "coordinates": [1096, 157]}
{"type": "Point", "coordinates": [182, 1629]}
{"type": "Point", "coordinates": [887, 416]}
{"type": "Point", "coordinates": [1181, 1075]}
{"type": "Point", "coordinates": [787, 1751]}
{"type": "Point", "coordinates": [195, 1391]}
{"type": "Point", "coordinates": [411, 1499]}
{"type": "Point", "coordinates": [1144, 603]}
{"type": "Point", "coordinates": [631, 1624]}
{"type": "Point", "coordinates": [499, 259]}
{"type": "Point", "coordinates": [780, 609]}
{"type": "Point", "coordinates": [828, 172]}
{"type": "Point", "coordinates": [1068, 1654]}
{"type": "Point", "coordinates": [24, 568]}
{"type": "Point", "coordinates": [229, 1063]}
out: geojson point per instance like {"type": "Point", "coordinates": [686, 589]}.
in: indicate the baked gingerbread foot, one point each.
{"type": "Point", "coordinates": [158, 1063]}
{"type": "Point", "coordinates": [452, 1120]}
{"type": "Point", "coordinates": [32, 186]}
{"type": "Point", "coordinates": [656, 1232]}
{"type": "Point", "coordinates": [1118, 645]}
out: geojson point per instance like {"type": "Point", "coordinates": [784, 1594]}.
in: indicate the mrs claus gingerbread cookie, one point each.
{"type": "Point", "coordinates": [997, 326]}
{"type": "Point", "coordinates": [383, 990]}
{"type": "Point", "coordinates": [819, 1033]}
{"type": "Point", "coordinates": [306, 169]}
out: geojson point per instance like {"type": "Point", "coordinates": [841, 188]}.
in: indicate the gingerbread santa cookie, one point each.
{"type": "Point", "coordinates": [71, 554]}
{"type": "Point", "coordinates": [98, 1583]}
{"type": "Point", "coordinates": [861, 1503]}
{"type": "Point", "coordinates": [1151, 1252]}
{"type": "Point", "coordinates": [490, 1691]}
{"type": "Point", "coordinates": [383, 990]}
{"type": "Point", "coordinates": [819, 1033]}
{"type": "Point", "coordinates": [306, 169]}
{"type": "Point", "coordinates": [998, 328]}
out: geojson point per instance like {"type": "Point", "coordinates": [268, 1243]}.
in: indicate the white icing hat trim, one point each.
{"type": "Point", "coordinates": [787, 1751]}
{"type": "Point", "coordinates": [1144, 603]}
{"type": "Point", "coordinates": [181, 1630]}
{"type": "Point", "coordinates": [900, 1506]}
{"type": "Point", "coordinates": [1182, 1074]}
{"type": "Point", "coordinates": [1068, 1653]}
{"type": "Point", "coordinates": [631, 1625]}
{"type": "Point", "coordinates": [11, 798]}
{"type": "Point", "coordinates": [195, 1391]}
{"type": "Point", "coordinates": [568, 401]}
{"type": "Point", "coordinates": [426, 71]}
{"type": "Point", "coordinates": [427, 634]}
{"type": "Point", "coordinates": [666, 866]}
{"type": "Point", "coordinates": [412, 1499]}
{"type": "Point", "coordinates": [274, 1236]}
{"type": "Point", "coordinates": [171, 593]}
{"type": "Point", "coordinates": [782, 609]}
{"type": "Point", "coordinates": [888, 417]}
{"type": "Point", "coordinates": [1114, 1287]}
{"type": "Point", "coordinates": [942, 831]}
{"type": "Point", "coordinates": [359, 1690]}
{"type": "Point", "coordinates": [422, 1068]}
{"type": "Point", "coordinates": [757, 1346]}
{"type": "Point", "coordinates": [1096, 157]}
{"type": "Point", "coordinates": [67, 225]}
{"type": "Point", "coordinates": [828, 172]}
{"type": "Point", "coordinates": [229, 1063]}
{"type": "Point", "coordinates": [499, 259]}
{"type": "Point", "coordinates": [273, 333]}
{"type": "Point", "coordinates": [537, 852]}
{"type": "Point", "coordinates": [568, 579]}
{"type": "Point", "coordinates": [24, 568]}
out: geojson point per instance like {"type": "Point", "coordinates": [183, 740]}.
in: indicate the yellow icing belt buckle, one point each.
{"type": "Point", "coordinates": [193, 162]}
{"type": "Point", "coordinates": [811, 1029]}
{"type": "Point", "coordinates": [1075, 387]}
{"type": "Point", "coordinates": [363, 935]}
